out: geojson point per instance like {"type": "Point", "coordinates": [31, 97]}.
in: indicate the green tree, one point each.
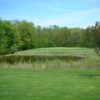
{"type": "Point", "coordinates": [87, 39]}
{"type": "Point", "coordinates": [3, 40]}
{"type": "Point", "coordinates": [7, 38]}
{"type": "Point", "coordinates": [27, 33]}
{"type": "Point", "coordinates": [96, 35]}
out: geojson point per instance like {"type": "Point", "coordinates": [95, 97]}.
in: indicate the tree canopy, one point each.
{"type": "Point", "coordinates": [22, 35]}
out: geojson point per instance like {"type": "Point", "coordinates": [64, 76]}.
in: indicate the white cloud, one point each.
{"type": "Point", "coordinates": [80, 18]}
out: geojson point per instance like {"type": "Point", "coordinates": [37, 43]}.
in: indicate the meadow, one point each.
{"type": "Point", "coordinates": [58, 58]}
{"type": "Point", "coordinates": [54, 78]}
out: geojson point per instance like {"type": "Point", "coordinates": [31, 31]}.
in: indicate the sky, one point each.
{"type": "Point", "coordinates": [64, 13]}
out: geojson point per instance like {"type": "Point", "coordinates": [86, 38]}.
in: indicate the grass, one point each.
{"type": "Point", "coordinates": [46, 54]}
{"type": "Point", "coordinates": [51, 79]}
{"type": "Point", "coordinates": [58, 50]}
{"type": "Point", "coordinates": [49, 85]}
{"type": "Point", "coordinates": [58, 58]}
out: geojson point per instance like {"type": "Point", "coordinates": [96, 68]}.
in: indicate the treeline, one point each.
{"type": "Point", "coordinates": [22, 35]}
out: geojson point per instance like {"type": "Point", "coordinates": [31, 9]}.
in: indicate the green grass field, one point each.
{"type": "Point", "coordinates": [52, 80]}
{"type": "Point", "coordinates": [49, 85]}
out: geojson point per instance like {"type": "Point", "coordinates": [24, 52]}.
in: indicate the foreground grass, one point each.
{"type": "Point", "coordinates": [18, 84]}
{"type": "Point", "coordinates": [52, 79]}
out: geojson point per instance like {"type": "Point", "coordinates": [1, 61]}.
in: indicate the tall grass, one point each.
{"type": "Point", "coordinates": [52, 59]}
{"type": "Point", "coordinates": [53, 65]}
{"type": "Point", "coordinates": [33, 58]}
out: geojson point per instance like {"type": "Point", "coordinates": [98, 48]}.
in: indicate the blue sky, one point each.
{"type": "Point", "coordinates": [70, 13]}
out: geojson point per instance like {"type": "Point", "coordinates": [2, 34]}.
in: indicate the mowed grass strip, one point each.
{"type": "Point", "coordinates": [49, 85]}
{"type": "Point", "coordinates": [58, 51]}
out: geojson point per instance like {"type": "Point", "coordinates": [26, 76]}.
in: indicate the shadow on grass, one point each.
{"type": "Point", "coordinates": [90, 75]}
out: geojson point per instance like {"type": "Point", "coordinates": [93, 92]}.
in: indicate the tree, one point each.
{"type": "Point", "coordinates": [87, 39]}
{"type": "Point", "coordinates": [7, 37]}
{"type": "Point", "coordinates": [96, 34]}
{"type": "Point", "coordinates": [21, 35]}
{"type": "Point", "coordinates": [3, 40]}
{"type": "Point", "coordinates": [27, 33]}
